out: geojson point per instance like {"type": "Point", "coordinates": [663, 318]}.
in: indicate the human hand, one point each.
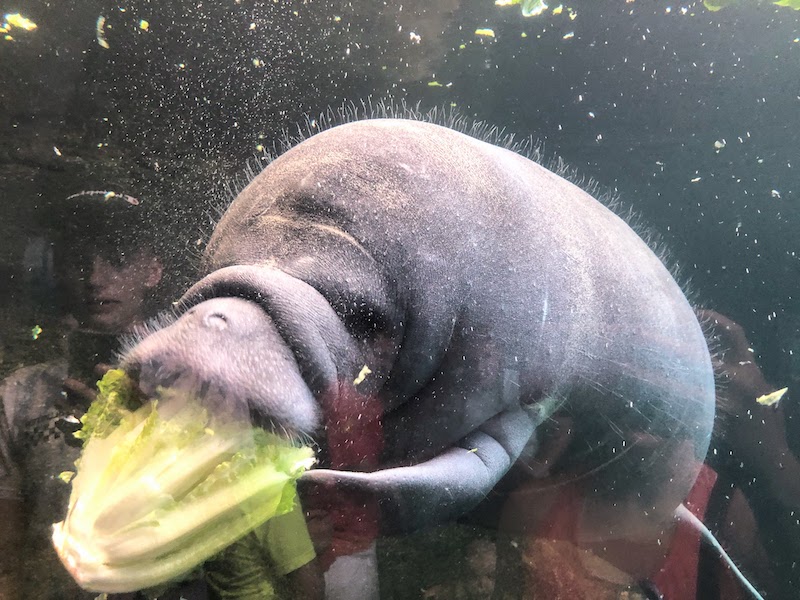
{"type": "Point", "coordinates": [81, 393]}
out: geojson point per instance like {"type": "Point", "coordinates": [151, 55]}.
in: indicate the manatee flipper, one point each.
{"type": "Point", "coordinates": [684, 514]}
{"type": "Point", "coordinates": [449, 484]}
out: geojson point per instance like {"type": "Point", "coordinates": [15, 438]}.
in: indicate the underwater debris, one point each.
{"type": "Point", "coordinates": [100, 33]}
{"type": "Point", "coordinates": [530, 8]}
{"type": "Point", "coordinates": [772, 398]}
{"type": "Point", "coordinates": [17, 20]}
{"type": "Point", "coordinates": [106, 196]}
{"type": "Point", "coordinates": [365, 370]}
{"type": "Point", "coordinates": [715, 5]}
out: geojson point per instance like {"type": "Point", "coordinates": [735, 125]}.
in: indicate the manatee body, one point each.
{"type": "Point", "coordinates": [483, 293]}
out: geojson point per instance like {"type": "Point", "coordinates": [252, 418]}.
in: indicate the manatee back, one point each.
{"type": "Point", "coordinates": [501, 282]}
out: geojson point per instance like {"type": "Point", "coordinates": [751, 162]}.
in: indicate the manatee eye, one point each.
{"type": "Point", "coordinates": [364, 320]}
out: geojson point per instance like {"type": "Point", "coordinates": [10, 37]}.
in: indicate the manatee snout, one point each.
{"type": "Point", "coordinates": [228, 353]}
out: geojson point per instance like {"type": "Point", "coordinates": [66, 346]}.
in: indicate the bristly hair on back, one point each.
{"type": "Point", "coordinates": [451, 118]}
{"type": "Point", "coordinates": [369, 109]}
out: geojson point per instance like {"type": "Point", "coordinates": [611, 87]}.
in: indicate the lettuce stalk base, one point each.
{"type": "Point", "coordinates": [163, 486]}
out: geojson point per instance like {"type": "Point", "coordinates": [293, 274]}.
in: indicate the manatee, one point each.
{"type": "Point", "coordinates": [420, 303]}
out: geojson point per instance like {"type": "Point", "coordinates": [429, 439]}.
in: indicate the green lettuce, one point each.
{"type": "Point", "coordinates": [530, 8]}
{"type": "Point", "coordinates": [162, 486]}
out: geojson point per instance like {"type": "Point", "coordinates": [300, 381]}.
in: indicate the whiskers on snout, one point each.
{"type": "Point", "coordinates": [294, 436]}
{"type": "Point", "coordinates": [173, 388]}
{"type": "Point", "coordinates": [128, 341]}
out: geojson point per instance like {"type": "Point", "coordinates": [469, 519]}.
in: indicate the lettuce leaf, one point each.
{"type": "Point", "coordinates": [162, 486]}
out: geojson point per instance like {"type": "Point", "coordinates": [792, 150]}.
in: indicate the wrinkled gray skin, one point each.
{"type": "Point", "coordinates": [480, 289]}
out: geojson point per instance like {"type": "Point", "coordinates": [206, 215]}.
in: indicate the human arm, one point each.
{"type": "Point", "coordinates": [11, 507]}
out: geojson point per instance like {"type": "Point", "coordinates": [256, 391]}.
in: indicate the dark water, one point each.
{"type": "Point", "coordinates": [690, 116]}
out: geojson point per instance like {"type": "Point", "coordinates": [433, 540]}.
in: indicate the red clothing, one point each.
{"type": "Point", "coordinates": [555, 562]}
{"type": "Point", "coordinates": [355, 442]}
{"type": "Point", "coordinates": [677, 578]}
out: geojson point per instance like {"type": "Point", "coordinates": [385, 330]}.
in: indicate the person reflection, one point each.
{"type": "Point", "coordinates": [275, 561]}
{"type": "Point", "coordinates": [108, 271]}
{"type": "Point", "coordinates": [587, 539]}
{"type": "Point", "coordinates": [752, 455]}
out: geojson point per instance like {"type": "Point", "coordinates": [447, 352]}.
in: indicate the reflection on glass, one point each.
{"type": "Point", "coordinates": [401, 353]}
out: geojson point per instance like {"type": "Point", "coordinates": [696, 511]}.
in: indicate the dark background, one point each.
{"type": "Point", "coordinates": [631, 94]}
{"type": "Point", "coordinates": [177, 110]}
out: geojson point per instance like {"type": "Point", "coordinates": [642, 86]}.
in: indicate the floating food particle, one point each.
{"type": "Point", "coordinates": [719, 144]}
{"type": "Point", "coordinates": [106, 196]}
{"type": "Point", "coordinates": [252, 26]}
{"type": "Point", "coordinates": [365, 370]}
{"type": "Point", "coordinates": [696, 179]}
{"type": "Point", "coordinates": [530, 8]}
{"type": "Point", "coordinates": [473, 450]}
{"type": "Point", "coordinates": [558, 9]}
{"type": "Point", "coordinates": [17, 20]}
{"type": "Point", "coordinates": [260, 147]}
{"type": "Point", "coordinates": [485, 32]}
{"type": "Point", "coordinates": [257, 62]}
{"type": "Point", "coordinates": [144, 25]}
{"type": "Point", "coordinates": [434, 84]}
{"type": "Point", "coordinates": [414, 37]}
{"type": "Point", "coordinates": [36, 331]}
{"type": "Point", "coordinates": [775, 193]}
{"type": "Point", "coordinates": [569, 36]}
{"type": "Point", "coordinates": [57, 151]}
{"type": "Point", "coordinates": [66, 476]}
{"type": "Point", "coordinates": [772, 398]}
{"type": "Point", "coordinates": [337, 19]}
{"type": "Point", "coordinates": [99, 33]}
{"type": "Point", "coordinates": [462, 46]}
{"type": "Point", "coordinates": [523, 34]}
{"type": "Point", "coordinates": [572, 15]}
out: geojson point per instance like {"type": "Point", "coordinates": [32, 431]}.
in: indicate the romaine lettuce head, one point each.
{"type": "Point", "coordinates": [162, 485]}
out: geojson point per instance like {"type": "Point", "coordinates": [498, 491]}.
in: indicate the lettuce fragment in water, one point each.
{"type": "Point", "coordinates": [162, 486]}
